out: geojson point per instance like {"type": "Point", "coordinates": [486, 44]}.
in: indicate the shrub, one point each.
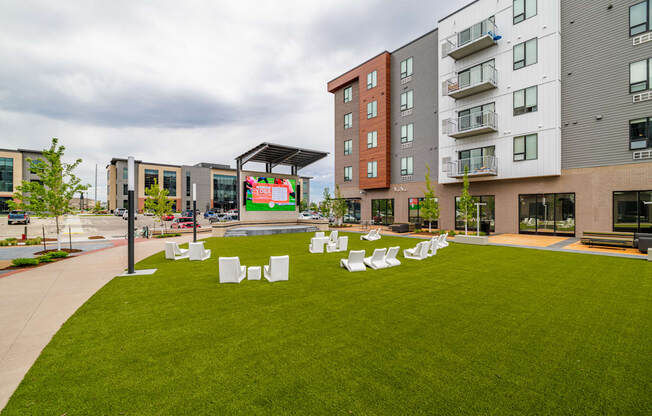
{"type": "Point", "coordinates": [33, 241]}
{"type": "Point", "coordinates": [4, 243]}
{"type": "Point", "coordinates": [23, 262]}
{"type": "Point", "coordinates": [45, 259]}
{"type": "Point", "coordinates": [167, 235]}
{"type": "Point", "coordinates": [57, 254]}
{"type": "Point", "coordinates": [11, 241]}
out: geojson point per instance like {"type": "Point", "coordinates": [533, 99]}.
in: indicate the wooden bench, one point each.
{"type": "Point", "coordinates": [603, 238]}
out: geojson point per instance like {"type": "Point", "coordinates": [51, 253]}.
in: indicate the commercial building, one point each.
{"type": "Point", "coordinates": [14, 169]}
{"type": "Point", "coordinates": [216, 184]}
{"type": "Point", "coordinates": [552, 126]}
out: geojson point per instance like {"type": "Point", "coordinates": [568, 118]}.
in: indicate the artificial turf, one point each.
{"type": "Point", "coordinates": [472, 331]}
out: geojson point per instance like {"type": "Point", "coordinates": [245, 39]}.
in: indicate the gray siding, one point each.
{"type": "Point", "coordinates": [120, 196]}
{"type": "Point", "coordinates": [202, 177]}
{"type": "Point", "coordinates": [27, 175]}
{"type": "Point", "coordinates": [596, 52]}
{"type": "Point", "coordinates": [424, 114]}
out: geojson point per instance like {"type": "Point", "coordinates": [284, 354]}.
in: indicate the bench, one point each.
{"type": "Point", "coordinates": [603, 238]}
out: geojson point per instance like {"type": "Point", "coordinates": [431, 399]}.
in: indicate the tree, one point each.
{"type": "Point", "coordinates": [429, 207]}
{"type": "Point", "coordinates": [303, 205]}
{"type": "Point", "coordinates": [158, 203]}
{"type": "Point", "coordinates": [97, 208]}
{"type": "Point", "coordinates": [340, 207]}
{"type": "Point", "coordinates": [314, 207]}
{"type": "Point", "coordinates": [50, 197]}
{"type": "Point", "coordinates": [325, 205]}
{"type": "Point", "coordinates": [466, 202]}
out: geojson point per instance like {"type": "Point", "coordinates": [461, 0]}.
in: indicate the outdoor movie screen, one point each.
{"type": "Point", "coordinates": [270, 194]}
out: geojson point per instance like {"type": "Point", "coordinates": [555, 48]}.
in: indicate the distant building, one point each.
{"type": "Point", "coordinates": [14, 169]}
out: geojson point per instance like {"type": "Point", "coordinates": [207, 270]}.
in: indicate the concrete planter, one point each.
{"type": "Point", "coordinates": [482, 240]}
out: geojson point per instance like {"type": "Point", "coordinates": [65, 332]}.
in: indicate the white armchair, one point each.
{"type": "Point", "coordinates": [173, 252]}
{"type": "Point", "coordinates": [278, 268]}
{"type": "Point", "coordinates": [231, 271]}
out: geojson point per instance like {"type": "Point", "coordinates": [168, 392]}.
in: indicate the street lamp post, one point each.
{"type": "Point", "coordinates": [194, 212]}
{"type": "Point", "coordinates": [477, 224]}
{"type": "Point", "coordinates": [130, 222]}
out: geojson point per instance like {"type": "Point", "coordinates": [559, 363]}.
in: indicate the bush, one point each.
{"type": "Point", "coordinates": [57, 254]}
{"type": "Point", "coordinates": [45, 259]}
{"type": "Point", "coordinates": [33, 241]}
{"type": "Point", "coordinates": [4, 243]}
{"type": "Point", "coordinates": [24, 262]}
{"type": "Point", "coordinates": [11, 241]}
{"type": "Point", "coordinates": [167, 235]}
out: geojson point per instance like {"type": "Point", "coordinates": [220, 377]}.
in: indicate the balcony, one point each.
{"type": "Point", "coordinates": [477, 167]}
{"type": "Point", "coordinates": [474, 124]}
{"type": "Point", "coordinates": [467, 83]}
{"type": "Point", "coordinates": [471, 40]}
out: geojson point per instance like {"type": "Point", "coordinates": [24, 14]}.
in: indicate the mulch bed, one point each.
{"type": "Point", "coordinates": [67, 250]}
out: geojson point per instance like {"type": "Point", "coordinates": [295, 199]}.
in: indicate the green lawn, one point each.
{"type": "Point", "coordinates": [472, 331]}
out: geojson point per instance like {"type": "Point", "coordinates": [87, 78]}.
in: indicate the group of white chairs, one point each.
{"type": "Point", "coordinates": [194, 252]}
{"type": "Point", "coordinates": [333, 242]}
{"type": "Point", "coordinates": [231, 271]}
{"type": "Point", "coordinates": [372, 235]}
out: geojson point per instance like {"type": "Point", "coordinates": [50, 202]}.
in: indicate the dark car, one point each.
{"type": "Point", "coordinates": [18, 217]}
{"type": "Point", "coordinates": [183, 222]}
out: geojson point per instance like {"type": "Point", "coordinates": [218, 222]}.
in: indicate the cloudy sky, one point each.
{"type": "Point", "coordinates": [188, 82]}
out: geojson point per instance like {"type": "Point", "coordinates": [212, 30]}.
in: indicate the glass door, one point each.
{"type": "Point", "coordinates": [546, 219]}
{"type": "Point", "coordinates": [547, 214]}
{"type": "Point", "coordinates": [645, 217]}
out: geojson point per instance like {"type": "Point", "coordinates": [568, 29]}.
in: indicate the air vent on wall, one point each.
{"type": "Point", "coordinates": [643, 154]}
{"type": "Point", "coordinates": [644, 96]}
{"type": "Point", "coordinates": [644, 38]}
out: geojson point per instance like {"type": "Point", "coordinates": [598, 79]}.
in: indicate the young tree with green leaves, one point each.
{"type": "Point", "coordinates": [158, 202]}
{"type": "Point", "coordinates": [314, 207]}
{"type": "Point", "coordinates": [97, 208]}
{"type": "Point", "coordinates": [429, 207]}
{"type": "Point", "coordinates": [50, 197]}
{"type": "Point", "coordinates": [325, 205]}
{"type": "Point", "coordinates": [466, 201]}
{"type": "Point", "coordinates": [303, 205]}
{"type": "Point", "coordinates": [339, 206]}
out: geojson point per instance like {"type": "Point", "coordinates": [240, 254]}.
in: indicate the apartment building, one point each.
{"type": "Point", "coordinates": [14, 169]}
{"type": "Point", "coordinates": [552, 127]}
{"type": "Point", "coordinates": [216, 184]}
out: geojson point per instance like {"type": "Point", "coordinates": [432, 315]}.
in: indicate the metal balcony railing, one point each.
{"type": "Point", "coordinates": [470, 82]}
{"type": "Point", "coordinates": [473, 124]}
{"type": "Point", "coordinates": [477, 166]}
{"type": "Point", "coordinates": [470, 40]}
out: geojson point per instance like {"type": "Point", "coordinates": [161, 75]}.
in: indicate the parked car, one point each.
{"type": "Point", "coordinates": [219, 217]}
{"type": "Point", "coordinates": [168, 217]}
{"type": "Point", "coordinates": [209, 214]}
{"type": "Point", "coordinates": [148, 213]}
{"type": "Point", "coordinates": [305, 216]}
{"type": "Point", "coordinates": [183, 222]}
{"type": "Point", "coordinates": [125, 215]}
{"type": "Point", "coordinates": [18, 217]}
{"type": "Point", "coordinates": [119, 211]}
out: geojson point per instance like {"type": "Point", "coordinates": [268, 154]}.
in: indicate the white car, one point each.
{"type": "Point", "coordinates": [119, 211]}
{"type": "Point", "coordinates": [125, 215]}
{"type": "Point", "coordinates": [305, 216]}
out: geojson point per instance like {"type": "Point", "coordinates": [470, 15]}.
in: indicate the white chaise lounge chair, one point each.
{"type": "Point", "coordinates": [433, 245]}
{"type": "Point", "coordinates": [316, 245]}
{"type": "Point", "coordinates": [341, 245]}
{"type": "Point", "coordinates": [443, 242]}
{"type": "Point", "coordinates": [173, 252]}
{"type": "Point", "coordinates": [332, 238]}
{"type": "Point", "coordinates": [320, 234]}
{"type": "Point", "coordinates": [377, 260]}
{"type": "Point", "coordinates": [390, 258]}
{"type": "Point", "coordinates": [373, 235]}
{"type": "Point", "coordinates": [420, 252]}
{"type": "Point", "coordinates": [355, 262]}
{"type": "Point", "coordinates": [231, 271]}
{"type": "Point", "coordinates": [278, 268]}
{"type": "Point", "coordinates": [197, 251]}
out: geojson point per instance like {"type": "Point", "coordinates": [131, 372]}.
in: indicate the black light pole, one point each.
{"type": "Point", "coordinates": [194, 212]}
{"type": "Point", "coordinates": [130, 216]}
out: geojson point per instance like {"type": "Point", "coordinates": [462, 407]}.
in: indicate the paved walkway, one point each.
{"type": "Point", "coordinates": [35, 303]}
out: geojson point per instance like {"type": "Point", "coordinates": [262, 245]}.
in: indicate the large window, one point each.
{"type": "Point", "coordinates": [348, 120]}
{"type": "Point", "coordinates": [348, 147]}
{"type": "Point", "coordinates": [407, 133]}
{"type": "Point", "coordinates": [372, 169]}
{"type": "Point", "coordinates": [407, 100]}
{"type": "Point", "coordinates": [170, 182]}
{"type": "Point", "coordinates": [407, 166]}
{"type": "Point", "coordinates": [187, 183]}
{"type": "Point", "coordinates": [6, 174]}
{"type": "Point", "coordinates": [640, 75]}
{"type": "Point", "coordinates": [224, 189]}
{"type": "Point", "coordinates": [476, 74]}
{"type": "Point", "coordinates": [352, 215]}
{"type": "Point", "coordinates": [525, 54]}
{"type": "Point", "coordinates": [487, 213]}
{"type": "Point", "coordinates": [525, 100]}
{"type": "Point", "coordinates": [631, 213]}
{"type": "Point", "coordinates": [372, 79]}
{"type": "Point", "coordinates": [382, 211]}
{"type": "Point", "coordinates": [476, 31]}
{"type": "Point", "coordinates": [125, 189]}
{"type": "Point", "coordinates": [125, 173]}
{"type": "Point", "coordinates": [406, 67]}
{"type": "Point", "coordinates": [4, 204]}
{"type": "Point", "coordinates": [639, 18]}
{"type": "Point", "coordinates": [372, 109]}
{"type": "Point", "coordinates": [151, 177]}
{"type": "Point", "coordinates": [639, 133]}
{"type": "Point", "coordinates": [372, 139]}
{"type": "Point", "coordinates": [524, 9]}
{"type": "Point", "coordinates": [547, 214]}
{"type": "Point", "coordinates": [348, 173]}
{"type": "Point", "coordinates": [525, 147]}
{"type": "Point", "coordinates": [475, 117]}
{"type": "Point", "coordinates": [414, 212]}
{"type": "Point", "coordinates": [348, 94]}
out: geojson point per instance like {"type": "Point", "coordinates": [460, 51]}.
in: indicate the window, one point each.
{"type": "Point", "coordinates": [348, 120]}
{"type": "Point", "coordinates": [382, 211]}
{"type": "Point", "coordinates": [476, 75]}
{"type": "Point", "coordinates": [406, 67]}
{"type": "Point", "coordinates": [476, 31]}
{"type": "Point", "coordinates": [125, 204]}
{"type": "Point", "coordinates": [187, 183]}
{"type": "Point", "coordinates": [414, 212]}
{"type": "Point", "coordinates": [407, 166]}
{"type": "Point", "coordinates": [348, 173]}
{"type": "Point", "coordinates": [476, 160]}
{"type": "Point", "coordinates": [372, 79]}
{"type": "Point", "coordinates": [125, 173]}
{"type": "Point", "coordinates": [525, 54]}
{"type": "Point", "coordinates": [407, 100]}
{"type": "Point", "coordinates": [525, 101]}
{"type": "Point", "coordinates": [348, 147]}
{"type": "Point", "coordinates": [525, 147]}
{"type": "Point", "coordinates": [188, 204]}
{"type": "Point", "coordinates": [639, 133]}
{"type": "Point", "coordinates": [348, 94]}
{"type": "Point", "coordinates": [372, 109]}
{"type": "Point", "coordinates": [372, 169]}
{"type": "Point", "coordinates": [631, 213]}
{"type": "Point", "coordinates": [125, 189]}
{"type": "Point", "coordinates": [224, 190]}
{"type": "Point", "coordinates": [352, 211]}
{"type": "Point", "coordinates": [170, 182]}
{"type": "Point", "coordinates": [640, 74]}
{"type": "Point", "coordinates": [524, 9]}
{"type": "Point", "coordinates": [473, 118]}
{"type": "Point", "coordinates": [407, 133]}
{"type": "Point", "coordinates": [639, 18]}
{"type": "Point", "coordinates": [547, 214]}
{"type": "Point", "coordinates": [6, 174]}
{"type": "Point", "coordinates": [372, 139]}
{"type": "Point", "coordinates": [487, 213]}
{"type": "Point", "coordinates": [151, 177]}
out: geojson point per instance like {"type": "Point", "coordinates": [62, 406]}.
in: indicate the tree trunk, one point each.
{"type": "Point", "coordinates": [56, 220]}
{"type": "Point", "coordinates": [429, 226]}
{"type": "Point", "coordinates": [466, 223]}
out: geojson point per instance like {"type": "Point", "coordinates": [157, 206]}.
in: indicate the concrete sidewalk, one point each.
{"type": "Point", "coordinates": [35, 303]}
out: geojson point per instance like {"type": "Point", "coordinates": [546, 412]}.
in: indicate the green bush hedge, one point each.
{"type": "Point", "coordinates": [22, 262]}
{"type": "Point", "coordinates": [57, 254]}
{"type": "Point", "coordinates": [33, 241]}
{"type": "Point", "coordinates": [167, 235]}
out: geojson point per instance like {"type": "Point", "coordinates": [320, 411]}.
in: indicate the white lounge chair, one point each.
{"type": "Point", "coordinates": [377, 260]}
{"type": "Point", "coordinates": [443, 242]}
{"type": "Point", "coordinates": [373, 235]}
{"type": "Point", "coordinates": [320, 234]}
{"type": "Point", "coordinates": [355, 262]}
{"type": "Point", "coordinates": [278, 268]}
{"type": "Point", "coordinates": [420, 252]}
{"type": "Point", "coordinates": [332, 238]}
{"type": "Point", "coordinates": [173, 252]}
{"type": "Point", "coordinates": [316, 245]}
{"type": "Point", "coordinates": [341, 245]}
{"type": "Point", "coordinates": [390, 258]}
{"type": "Point", "coordinates": [197, 251]}
{"type": "Point", "coordinates": [231, 271]}
{"type": "Point", "coordinates": [433, 245]}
